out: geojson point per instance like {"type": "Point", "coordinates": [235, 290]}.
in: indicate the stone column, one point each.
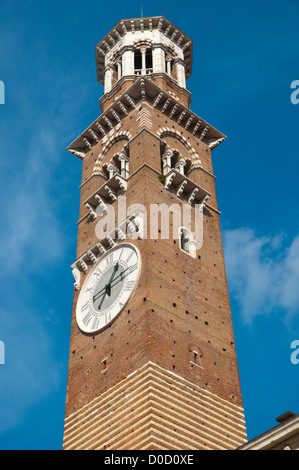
{"type": "Point", "coordinates": [143, 61]}
{"type": "Point", "coordinates": [119, 66]}
{"type": "Point", "coordinates": [108, 79]}
{"type": "Point", "coordinates": [124, 162]}
{"type": "Point", "coordinates": [180, 166]}
{"type": "Point", "coordinates": [168, 66]}
{"type": "Point", "coordinates": [111, 170]}
{"type": "Point", "coordinates": [167, 161]}
{"type": "Point", "coordinates": [158, 60]}
{"type": "Point", "coordinates": [181, 74]}
{"type": "Point", "coordinates": [128, 62]}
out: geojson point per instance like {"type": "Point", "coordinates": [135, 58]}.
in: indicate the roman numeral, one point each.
{"type": "Point", "coordinates": [129, 285]}
{"type": "Point", "coordinates": [109, 259]}
{"type": "Point", "coordinates": [130, 256]}
{"type": "Point", "coordinates": [107, 317]}
{"type": "Point", "coordinates": [87, 318]}
{"type": "Point", "coordinates": [98, 272]}
{"type": "Point", "coordinates": [84, 306]}
{"type": "Point", "coordinates": [95, 323]}
{"type": "Point", "coordinates": [133, 268]}
{"type": "Point", "coordinates": [89, 289]}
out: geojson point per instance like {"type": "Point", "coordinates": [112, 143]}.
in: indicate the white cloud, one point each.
{"type": "Point", "coordinates": [263, 275]}
{"type": "Point", "coordinates": [30, 228]}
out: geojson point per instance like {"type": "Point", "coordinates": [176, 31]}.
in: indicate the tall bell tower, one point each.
{"type": "Point", "coordinates": [152, 362]}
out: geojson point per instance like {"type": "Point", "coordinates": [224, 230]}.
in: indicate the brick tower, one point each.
{"type": "Point", "coordinates": [152, 361]}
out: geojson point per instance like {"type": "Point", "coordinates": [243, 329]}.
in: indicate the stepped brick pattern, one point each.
{"type": "Point", "coordinates": [154, 408]}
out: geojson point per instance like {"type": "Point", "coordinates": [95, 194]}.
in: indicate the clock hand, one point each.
{"type": "Point", "coordinates": [108, 286]}
{"type": "Point", "coordinates": [102, 298]}
{"type": "Point", "coordinates": [105, 288]}
{"type": "Point", "coordinates": [122, 275]}
{"type": "Point", "coordinates": [99, 293]}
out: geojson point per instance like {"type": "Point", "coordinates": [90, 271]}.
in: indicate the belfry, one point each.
{"type": "Point", "coordinates": [152, 361]}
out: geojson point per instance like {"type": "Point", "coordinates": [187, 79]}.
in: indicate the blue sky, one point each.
{"type": "Point", "coordinates": [245, 56]}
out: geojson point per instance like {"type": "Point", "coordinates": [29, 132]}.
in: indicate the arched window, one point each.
{"type": "Point", "coordinates": [143, 61]}
{"type": "Point", "coordinates": [184, 240]}
{"type": "Point", "coordinates": [137, 60]}
{"type": "Point", "coordinates": [187, 242]}
{"type": "Point", "coordinates": [149, 59]}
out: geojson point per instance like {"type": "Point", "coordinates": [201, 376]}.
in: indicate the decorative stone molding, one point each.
{"type": "Point", "coordinates": [100, 128]}
{"type": "Point", "coordinates": [116, 116]}
{"type": "Point", "coordinates": [158, 98]}
{"type": "Point", "coordinates": [91, 210]}
{"type": "Point", "coordinates": [189, 121]}
{"type": "Point", "coordinates": [164, 131]}
{"type": "Point", "coordinates": [214, 143]}
{"type": "Point", "coordinates": [94, 135]}
{"type": "Point", "coordinates": [184, 188]}
{"type": "Point", "coordinates": [204, 132]}
{"type": "Point", "coordinates": [145, 118]}
{"type": "Point", "coordinates": [172, 112]}
{"type": "Point", "coordinates": [121, 135]}
{"type": "Point", "coordinates": [144, 89]}
{"type": "Point", "coordinates": [180, 165]}
{"type": "Point", "coordinates": [180, 188]}
{"type": "Point", "coordinates": [130, 100]}
{"type": "Point", "coordinates": [76, 274]}
{"type": "Point", "coordinates": [133, 226]}
{"type": "Point", "coordinates": [92, 257]}
{"type": "Point", "coordinates": [191, 195]}
{"type": "Point", "coordinates": [106, 194]}
{"type": "Point", "coordinates": [87, 142]}
{"type": "Point", "coordinates": [182, 114]}
{"type": "Point", "coordinates": [122, 107]}
{"type": "Point", "coordinates": [112, 170]}
{"type": "Point", "coordinates": [102, 204]}
{"type": "Point", "coordinates": [165, 106]}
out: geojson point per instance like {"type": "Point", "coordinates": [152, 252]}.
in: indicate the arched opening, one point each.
{"type": "Point", "coordinates": [137, 61]}
{"type": "Point", "coordinates": [185, 237]}
{"type": "Point", "coordinates": [149, 59]}
{"type": "Point", "coordinates": [187, 242]}
{"type": "Point", "coordinates": [143, 61]}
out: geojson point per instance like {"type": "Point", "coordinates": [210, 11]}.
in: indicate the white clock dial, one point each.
{"type": "Point", "coordinates": [107, 288]}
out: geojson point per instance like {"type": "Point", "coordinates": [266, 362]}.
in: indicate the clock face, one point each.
{"type": "Point", "coordinates": [107, 288]}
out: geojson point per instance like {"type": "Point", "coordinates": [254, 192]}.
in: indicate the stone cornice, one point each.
{"type": "Point", "coordinates": [155, 75]}
{"type": "Point", "coordinates": [275, 436]}
{"type": "Point", "coordinates": [144, 89]}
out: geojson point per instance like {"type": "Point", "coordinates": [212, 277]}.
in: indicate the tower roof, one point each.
{"type": "Point", "coordinates": [113, 41]}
